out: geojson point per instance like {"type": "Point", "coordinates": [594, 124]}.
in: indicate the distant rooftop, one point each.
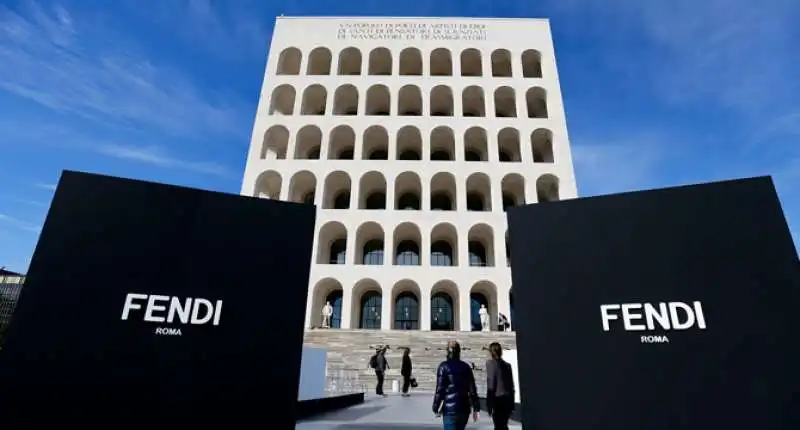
{"type": "Point", "coordinates": [4, 272]}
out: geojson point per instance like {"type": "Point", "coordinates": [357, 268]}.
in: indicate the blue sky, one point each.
{"type": "Point", "coordinates": [657, 93]}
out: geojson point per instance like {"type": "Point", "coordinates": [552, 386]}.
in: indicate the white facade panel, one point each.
{"type": "Point", "coordinates": [313, 367]}
{"type": "Point", "coordinates": [510, 356]}
{"type": "Point", "coordinates": [445, 120]}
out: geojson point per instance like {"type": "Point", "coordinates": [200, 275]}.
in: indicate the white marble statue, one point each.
{"type": "Point", "coordinates": [327, 312]}
{"type": "Point", "coordinates": [484, 314]}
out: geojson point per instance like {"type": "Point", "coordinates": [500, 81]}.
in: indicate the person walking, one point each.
{"type": "Point", "coordinates": [379, 363]}
{"type": "Point", "coordinates": [456, 395]}
{"type": "Point", "coordinates": [499, 387]}
{"type": "Point", "coordinates": [405, 371]}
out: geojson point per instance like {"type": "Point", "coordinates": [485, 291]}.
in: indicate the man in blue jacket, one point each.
{"type": "Point", "coordinates": [456, 395]}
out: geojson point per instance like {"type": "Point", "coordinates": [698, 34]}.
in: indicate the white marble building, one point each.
{"type": "Point", "coordinates": [411, 135]}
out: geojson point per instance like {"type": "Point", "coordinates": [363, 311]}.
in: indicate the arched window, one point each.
{"type": "Point", "coordinates": [347, 154]}
{"type": "Point", "coordinates": [441, 254]}
{"type": "Point", "coordinates": [441, 202]}
{"type": "Point", "coordinates": [475, 302]}
{"type": "Point", "coordinates": [408, 201]}
{"type": "Point", "coordinates": [371, 303]}
{"type": "Point", "coordinates": [508, 201]}
{"type": "Point", "coordinates": [440, 156]}
{"type": "Point", "coordinates": [407, 253]}
{"type": "Point", "coordinates": [442, 317]}
{"type": "Point", "coordinates": [335, 298]}
{"type": "Point", "coordinates": [504, 157]}
{"type": "Point", "coordinates": [379, 154]}
{"type": "Point", "coordinates": [376, 201]}
{"type": "Point", "coordinates": [410, 155]}
{"type": "Point", "coordinates": [338, 251]}
{"type": "Point", "coordinates": [309, 198]}
{"type": "Point", "coordinates": [472, 156]}
{"type": "Point", "coordinates": [474, 202]}
{"type": "Point", "coordinates": [406, 313]}
{"type": "Point", "coordinates": [477, 254]}
{"type": "Point", "coordinates": [342, 200]}
{"type": "Point", "coordinates": [313, 154]}
{"type": "Point", "coordinates": [373, 253]}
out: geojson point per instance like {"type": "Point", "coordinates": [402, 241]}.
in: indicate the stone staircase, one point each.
{"type": "Point", "coordinates": [349, 352]}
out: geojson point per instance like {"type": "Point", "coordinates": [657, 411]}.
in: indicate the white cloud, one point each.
{"type": "Point", "coordinates": [19, 224]}
{"type": "Point", "coordinates": [105, 94]}
{"type": "Point", "coordinates": [232, 25]}
{"type": "Point", "coordinates": [212, 26]}
{"type": "Point", "coordinates": [77, 65]}
{"type": "Point", "coordinates": [788, 125]}
{"type": "Point", "coordinates": [787, 178]}
{"type": "Point", "coordinates": [46, 186]}
{"type": "Point", "coordinates": [738, 52]}
{"type": "Point", "coordinates": [25, 132]}
{"type": "Point", "coordinates": [733, 59]}
{"type": "Point", "coordinates": [617, 165]}
{"type": "Point", "coordinates": [157, 156]}
{"type": "Point", "coordinates": [735, 53]}
{"type": "Point", "coordinates": [29, 202]}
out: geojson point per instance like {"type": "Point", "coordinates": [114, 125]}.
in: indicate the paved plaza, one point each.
{"type": "Point", "coordinates": [392, 413]}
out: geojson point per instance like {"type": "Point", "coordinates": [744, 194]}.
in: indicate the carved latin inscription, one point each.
{"type": "Point", "coordinates": [411, 31]}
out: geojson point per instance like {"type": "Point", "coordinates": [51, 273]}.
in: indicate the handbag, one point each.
{"type": "Point", "coordinates": [413, 382]}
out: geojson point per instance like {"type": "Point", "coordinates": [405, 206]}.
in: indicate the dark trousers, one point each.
{"type": "Point", "coordinates": [406, 383]}
{"type": "Point", "coordinates": [455, 422]}
{"type": "Point", "coordinates": [501, 411]}
{"type": "Point", "coordinates": [379, 386]}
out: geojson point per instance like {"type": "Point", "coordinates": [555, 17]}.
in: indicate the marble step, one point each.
{"type": "Point", "coordinates": [349, 352]}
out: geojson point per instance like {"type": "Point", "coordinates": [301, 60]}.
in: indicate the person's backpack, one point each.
{"type": "Point", "coordinates": [373, 361]}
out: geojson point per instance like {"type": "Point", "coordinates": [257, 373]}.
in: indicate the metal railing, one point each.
{"type": "Point", "coordinates": [343, 381]}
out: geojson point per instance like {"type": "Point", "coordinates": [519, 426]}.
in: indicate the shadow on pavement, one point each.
{"type": "Point", "coordinates": [387, 427]}
{"type": "Point", "coordinates": [350, 414]}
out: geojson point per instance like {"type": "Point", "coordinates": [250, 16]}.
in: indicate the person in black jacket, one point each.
{"type": "Point", "coordinates": [456, 395]}
{"type": "Point", "coordinates": [499, 387]}
{"type": "Point", "coordinates": [405, 371]}
{"type": "Point", "coordinates": [380, 364]}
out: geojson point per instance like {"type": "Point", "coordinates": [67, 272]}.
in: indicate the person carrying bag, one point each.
{"type": "Point", "coordinates": [380, 365]}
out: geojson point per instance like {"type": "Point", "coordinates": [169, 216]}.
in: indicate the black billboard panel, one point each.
{"type": "Point", "coordinates": [666, 309]}
{"type": "Point", "coordinates": [147, 302]}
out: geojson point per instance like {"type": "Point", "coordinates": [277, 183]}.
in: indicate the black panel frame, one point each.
{"type": "Point", "coordinates": [726, 244]}
{"type": "Point", "coordinates": [69, 359]}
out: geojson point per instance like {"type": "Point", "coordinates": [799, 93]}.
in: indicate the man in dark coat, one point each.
{"type": "Point", "coordinates": [456, 395]}
{"type": "Point", "coordinates": [405, 371]}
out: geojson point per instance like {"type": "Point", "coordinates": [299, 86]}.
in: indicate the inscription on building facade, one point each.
{"type": "Point", "coordinates": [412, 31]}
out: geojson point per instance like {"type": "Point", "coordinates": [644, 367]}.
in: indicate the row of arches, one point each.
{"type": "Point", "coordinates": [409, 144]}
{"type": "Point", "coordinates": [407, 192]}
{"type": "Point", "coordinates": [406, 309]}
{"type": "Point", "coordinates": [380, 62]}
{"type": "Point", "coordinates": [409, 102]}
{"type": "Point", "coordinates": [441, 245]}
